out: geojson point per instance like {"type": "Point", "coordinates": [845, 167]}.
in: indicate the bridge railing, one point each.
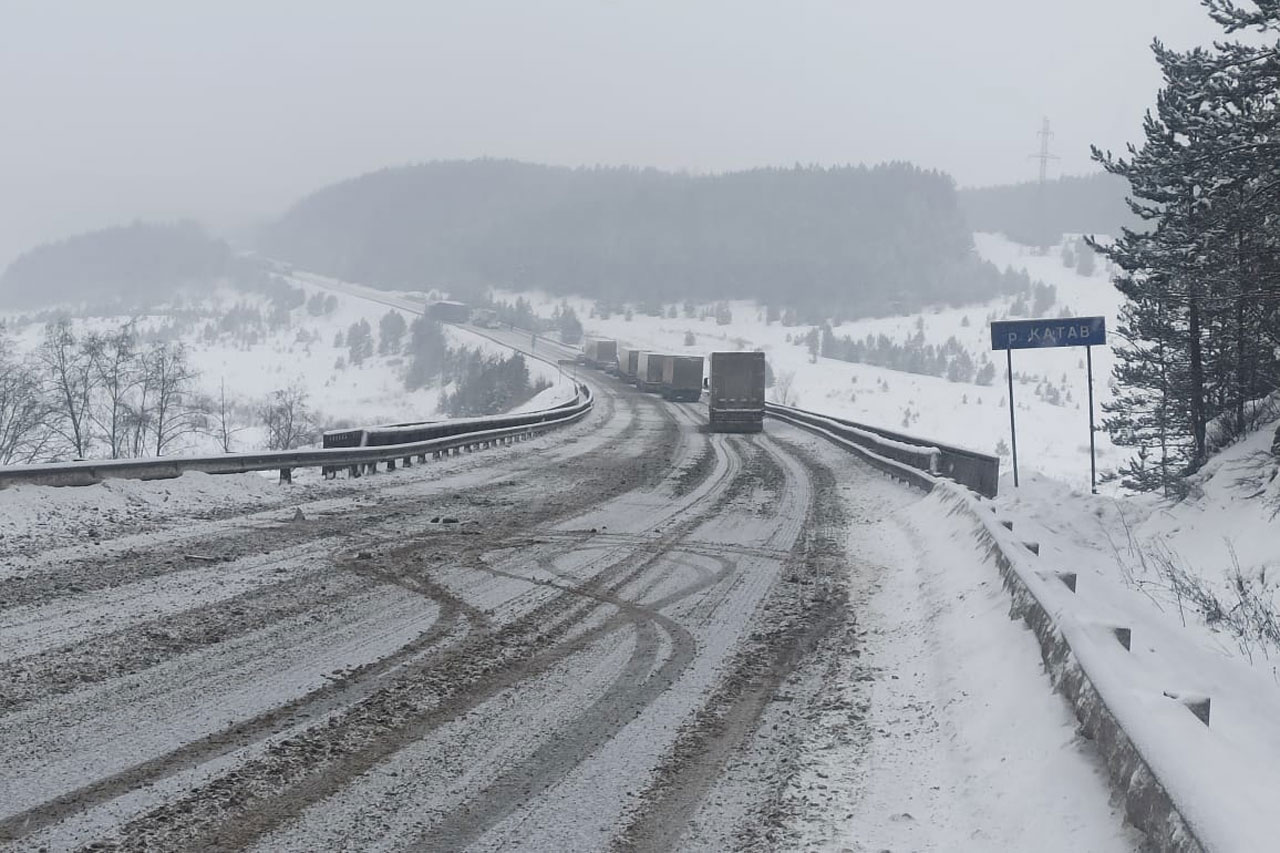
{"type": "Point", "coordinates": [912, 458]}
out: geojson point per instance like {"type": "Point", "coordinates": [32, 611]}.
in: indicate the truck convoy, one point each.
{"type": "Point", "coordinates": [600, 353]}
{"type": "Point", "coordinates": [736, 399]}
{"type": "Point", "coordinates": [682, 378]}
{"type": "Point", "coordinates": [736, 384]}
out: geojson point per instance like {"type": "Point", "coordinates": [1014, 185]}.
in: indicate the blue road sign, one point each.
{"type": "Point", "coordinates": [1062, 332]}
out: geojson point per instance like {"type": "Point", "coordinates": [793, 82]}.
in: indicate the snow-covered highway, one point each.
{"type": "Point", "coordinates": [628, 634]}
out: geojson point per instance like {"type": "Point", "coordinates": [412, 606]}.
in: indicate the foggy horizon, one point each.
{"type": "Point", "coordinates": [229, 116]}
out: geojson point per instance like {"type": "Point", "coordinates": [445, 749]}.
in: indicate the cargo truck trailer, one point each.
{"type": "Point", "coordinates": [735, 401]}
{"type": "Point", "coordinates": [682, 378]}
{"type": "Point", "coordinates": [649, 371]}
{"type": "Point", "coordinates": [600, 353]}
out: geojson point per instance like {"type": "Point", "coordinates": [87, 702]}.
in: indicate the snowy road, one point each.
{"type": "Point", "coordinates": [626, 640]}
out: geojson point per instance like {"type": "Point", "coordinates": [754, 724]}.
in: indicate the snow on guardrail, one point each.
{"type": "Point", "coordinates": [977, 471]}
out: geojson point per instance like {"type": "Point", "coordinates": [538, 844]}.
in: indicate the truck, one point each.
{"type": "Point", "coordinates": [600, 353]}
{"type": "Point", "coordinates": [448, 311]}
{"type": "Point", "coordinates": [627, 358]}
{"type": "Point", "coordinates": [649, 371]}
{"type": "Point", "coordinates": [735, 402]}
{"type": "Point", "coordinates": [682, 378]}
{"type": "Point", "coordinates": [486, 318]}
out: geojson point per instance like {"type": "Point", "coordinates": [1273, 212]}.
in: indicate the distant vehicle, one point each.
{"type": "Point", "coordinates": [627, 358]}
{"type": "Point", "coordinates": [682, 378]}
{"type": "Point", "coordinates": [735, 401]}
{"type": "Point", "coordinates": [600, 353]}
{"type": "Point", "coordinates": [448, 312]}
{"type": "Point", "coordinates": [649, 371]}
{"type": "Point", "coordinates": [486, 318]}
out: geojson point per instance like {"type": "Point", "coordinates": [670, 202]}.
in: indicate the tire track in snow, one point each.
{"type": "Point", "coordinates": [470, 674]}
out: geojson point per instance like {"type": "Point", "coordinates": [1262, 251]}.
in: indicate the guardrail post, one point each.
{"type": "Point", "coordinates": [1196, 703]}
{"type": "Point", "coordinates": [422, 458]}
{"type": "Point", "coordinates": [353, 471]}
{"type": "Point", "coordinates": [371, 467]}
{"type": "Point", "coordinates": [407, 462]}
{"type": "Point", "coordinates": [286, 475]}
{"type": "Point", "coordinates": [391, 465]}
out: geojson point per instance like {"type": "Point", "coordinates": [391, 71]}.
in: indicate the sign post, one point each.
{"type": "Point", "coordinates": [1087, 332]}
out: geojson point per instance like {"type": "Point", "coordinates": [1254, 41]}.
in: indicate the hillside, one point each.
{"type": "Point", "coordinates": [970, 410]}
{"type": "Point", "coordinates": [130, 265]}
{"type": "Point", "coordinates": [849, 241]}
{"type": "Point", "coordinates": [1040, 216]}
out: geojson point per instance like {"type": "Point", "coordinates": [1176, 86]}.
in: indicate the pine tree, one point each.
{"type": "Point", "coordinates": [1200, 329]}
{"type": "Point", "coordinates": [391, 329]}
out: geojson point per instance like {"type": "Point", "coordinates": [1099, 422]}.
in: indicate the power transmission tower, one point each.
{"type": "Point", "coordinates": [1042, 212]}
{"type": "Point", "coordinates": [1044, 156]}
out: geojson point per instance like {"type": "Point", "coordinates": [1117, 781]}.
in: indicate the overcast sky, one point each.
{"type": "Point", "coordinates": [229, 111]}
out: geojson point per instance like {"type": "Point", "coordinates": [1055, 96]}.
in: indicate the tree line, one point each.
{"type": "Point", "coordinates": [1036, 214]}
{"type": "Point", "coordinates": [1200, 329]}
{"type": "Point", "coordinates": [829, 243]}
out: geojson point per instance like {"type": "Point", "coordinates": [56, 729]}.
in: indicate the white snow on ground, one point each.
{"type": "Point", "coordinates": [1052, 438]}
{"type": "Point", "coordinates": [962, 745]}
{"type": "Point", "coordinates": [33, 517]}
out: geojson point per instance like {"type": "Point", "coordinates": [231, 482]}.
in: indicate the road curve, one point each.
{"type": "Point", "coordinates": [583, 656]}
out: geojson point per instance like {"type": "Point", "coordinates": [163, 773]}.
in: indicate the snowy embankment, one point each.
{"type": "Point", "coordinates": [1176, 577]}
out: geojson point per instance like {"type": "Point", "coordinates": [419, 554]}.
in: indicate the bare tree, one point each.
{"type": "Point", "coordinates": [223, 419]}
{"type": "Point", "coordinates": [289, 420]}
{"type": "Point", "coordinates": [170, 376]}
{"type": "Point", "coordinates": [24, 414]}
{"type": "Point", "coordinates": [118, 366]}
{"type": "Point", "coordinates": [783, 394]}
{"type": "Point", "coordinates": [70, 381]}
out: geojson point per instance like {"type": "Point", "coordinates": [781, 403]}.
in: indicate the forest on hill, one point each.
{"type": "Point", "coordinates": [1036, 215]}
{"type": "Point", "coordinates": [827, 242]}
{"type": "Point", "coordinates": [138, 264]}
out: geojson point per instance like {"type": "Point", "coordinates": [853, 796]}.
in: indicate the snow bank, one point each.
{"type": "Point", "coordinates": [1132, 668]}
{"type": "Point", "coordinates": [34, 518]}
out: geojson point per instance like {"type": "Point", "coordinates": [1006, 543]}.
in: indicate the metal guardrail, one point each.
{"type": "Point", "coordinates": [356, 460]}
{"type": "Point", "coordinates": [912, 458]}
